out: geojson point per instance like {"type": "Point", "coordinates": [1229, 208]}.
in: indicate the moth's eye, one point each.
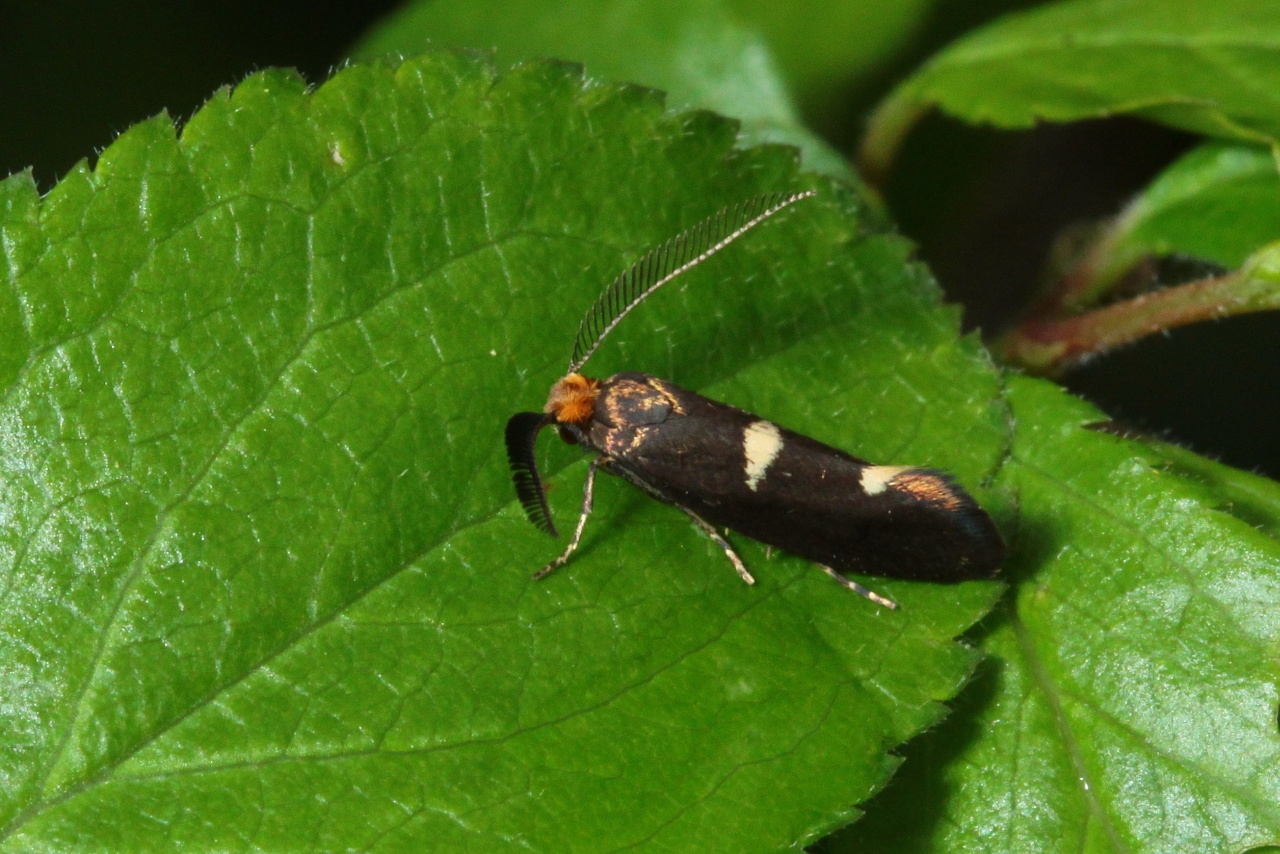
{"type": "Point", "coordinates": [566, 434]}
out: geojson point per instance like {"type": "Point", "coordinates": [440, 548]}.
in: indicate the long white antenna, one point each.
{"type": "Point", "coordinates": [664, 263]}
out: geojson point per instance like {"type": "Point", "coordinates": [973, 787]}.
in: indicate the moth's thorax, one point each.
{"type": "Point", "coordinates": [573, 400]}
{"type": "Point", "coordinates": [631, 406]}
{"type": "Point", "coordinates": [611, 416]}
{"type": "Point", "coordinates": [633, 399]}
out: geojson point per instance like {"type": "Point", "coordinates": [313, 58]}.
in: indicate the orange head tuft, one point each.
{"type": "Point", "coordinates": [573, 400]}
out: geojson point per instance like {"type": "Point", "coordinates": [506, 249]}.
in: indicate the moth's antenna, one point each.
{"type": "Point", "coordinates": [663, 263]}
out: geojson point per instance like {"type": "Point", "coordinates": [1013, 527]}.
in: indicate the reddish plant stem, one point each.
{"type": "Point", "coordinates": [1049, 345]}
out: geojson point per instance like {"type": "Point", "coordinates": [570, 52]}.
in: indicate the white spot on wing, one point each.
{"type": "Point", "coordinates": [875, 479]}
{"type": "Point", "coordinates": [761, 443]}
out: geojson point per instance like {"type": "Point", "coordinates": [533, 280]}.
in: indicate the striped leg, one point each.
{"type": "Point", "coordinates": [858, 588]}
{"type": "Point", "coordinates": [588, 492]}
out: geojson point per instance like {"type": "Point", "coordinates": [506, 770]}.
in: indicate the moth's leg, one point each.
{"type": "Point", "coordinates": [720, 541]}
{"type": "Point", "coordinates": [858, 588]}
{"type": "Point", "coordinates": [588, 492]}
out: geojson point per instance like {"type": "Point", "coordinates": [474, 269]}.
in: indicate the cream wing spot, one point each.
{"type": "Point", "coordinates": [875, 479]}
{"type": "Point", "coordinates": [761, 444]}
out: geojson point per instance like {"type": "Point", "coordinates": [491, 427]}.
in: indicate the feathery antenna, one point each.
{"type": "Point", "coordinates": [663, 263]}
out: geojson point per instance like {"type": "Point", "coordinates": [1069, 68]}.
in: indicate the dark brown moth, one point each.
{"type": "Point", "coordinates": [726, 468]}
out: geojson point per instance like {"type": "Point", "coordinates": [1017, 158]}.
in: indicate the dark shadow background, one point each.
{"type": "Point", "coordinates": [73, 76]}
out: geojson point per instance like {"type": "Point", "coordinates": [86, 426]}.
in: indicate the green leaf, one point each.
{"type": "Point", "coordinates": [822, 45]}
{"type": "Point", "coordinates": [1219, 202]}
{"type": "Point", "coordinates": [1129, 701]}
{"type": "Point", "coordinates": [1212, 68]}
{"type": "Point", "coordinates": [696, 50]}
{"type": "Point", "coordinates": [266, 582]}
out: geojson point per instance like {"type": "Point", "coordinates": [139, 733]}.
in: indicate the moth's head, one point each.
{"type": "Point", "coordinates": [573, 402]}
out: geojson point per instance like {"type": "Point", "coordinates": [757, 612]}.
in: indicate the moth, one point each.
{"type": "Point", "coordinates": [725, 468]}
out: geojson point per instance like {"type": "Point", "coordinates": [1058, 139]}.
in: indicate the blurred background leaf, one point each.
{"type": "Point", "coordinates": [695, 50]}
{"type": "Point", "coordinates": [1199, 67]}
